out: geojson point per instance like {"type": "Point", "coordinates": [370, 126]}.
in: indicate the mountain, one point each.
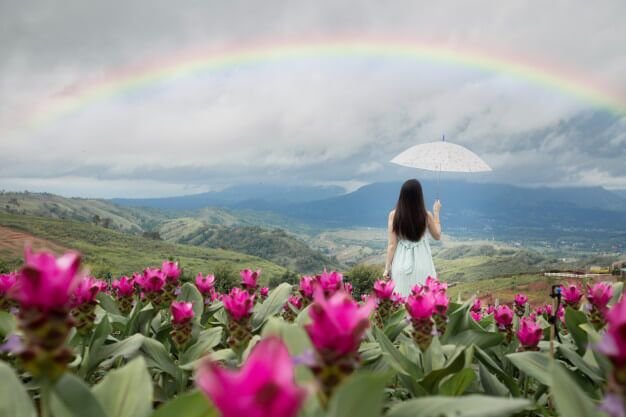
{"type": "Point", "coordinates": [621, 193]}
{"type": "Point", "coordinates": [249, 194]}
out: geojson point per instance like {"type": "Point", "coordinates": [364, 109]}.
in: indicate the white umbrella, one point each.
{"type": "Point", "coordinates": [441, 156]}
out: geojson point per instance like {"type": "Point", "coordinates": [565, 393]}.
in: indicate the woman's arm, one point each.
{"type": "Point", "coordinates": [434, 225]}
{"type": "Point", "coordinates": [392, 242]}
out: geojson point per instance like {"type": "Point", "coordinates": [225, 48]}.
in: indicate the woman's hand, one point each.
{"type": "Point", "coordinates": [437, 207]}
{"type": "Point", "coordinates": [386, 276]}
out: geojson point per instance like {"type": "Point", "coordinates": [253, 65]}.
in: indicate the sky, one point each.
{"type": "Point", "coordinates": [312, 120]}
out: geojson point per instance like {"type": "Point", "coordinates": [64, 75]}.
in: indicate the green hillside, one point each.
{"type": "Point", "coordinates": [272, 244]}
{"type": "Point", "coordinates": [119, 253]}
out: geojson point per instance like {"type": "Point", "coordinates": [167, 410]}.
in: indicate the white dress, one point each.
{"type": "Point", "coordinates": [412, 264]}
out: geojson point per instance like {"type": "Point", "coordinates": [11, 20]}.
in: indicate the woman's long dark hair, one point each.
{"type": "Point", "coordinates": [410, 219]}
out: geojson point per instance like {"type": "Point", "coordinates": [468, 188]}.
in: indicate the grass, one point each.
{"type": "Point", "coordinates": [106, 250]}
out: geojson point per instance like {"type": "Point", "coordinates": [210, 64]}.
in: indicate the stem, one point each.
{"type": "Point", "coordinates": [44, 393]}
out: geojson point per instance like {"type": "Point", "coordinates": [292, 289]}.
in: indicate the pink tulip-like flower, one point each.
{"type": "Point", "coordinates": [86, 291]}
{"type": "Point", "coordinates": [571, 295]}
{"type": "Point", "coordinates": [249, 278]}
{"type": "Point", "coordinates": [417, 289]}
{"type": "Point", "coordinates": [153, 280]}
{"type": "Point", "coordinates": [263, 387]}
{"type": "Point", "coordinates": [330, 282]}
{"type": "Point", "coordinates": [435, 285]}
{"type": "Point", "coordinates": [264, 292]}
{"type": "Point", "coordinates": [529, 333]}
{"type": "Point", "coordinates": [521, 299]}
{"type": "Point", "coordinates": [182, 312]}
{"type": "Point", "coordinates": [383, 289]}
{"type": "Point", "coordinates": [171, 270]}
{"type": "Point", "coordinates": [441, 302]}
{"type": "Point", "coordinates": [476, 315]}
{"type": "Point", "coordinates": [599, 295]}
{"type": "Point", "coordinates": [123, 287]}
{"type": "Point", "coordinates": [420, 306]}
{"type": "Point", "coordinates": [613, 343]}
{"type": "Point", "coordinates": [338, 325]}
{"type": "Point", "coordinates": [307, 287]}
{"type": "Point", "coordinates": [205, 284]}
{"type": "Point", "coordinates": [477, 306]}
{"type": "Point", "coordinates": [491, 309]}
{"type": "Point", "coordinates": [46, 282]}
{"type": "Point", "coordinates": [295, 301]}
{"type": "Point", "coordinates": [347, 287]}
{"type": "Point", "coordinates": [397, 299]}
{"type": "Point", "coordinates": [7, 281]}
{"type": "Point", "coordinates": [238, 303]}
{"type": "Point", "coordinates": [503, 316]}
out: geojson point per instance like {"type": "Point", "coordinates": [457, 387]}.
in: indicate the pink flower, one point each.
{"type": "Point", "coordinates": [46, 282]}
{"type": "Point", "coordinates": [397, 299]}
{"type": "Point", "coordinates": [338, 324]}
{"type": "Point", "coordinates": [249, 278]}
{"type": "Point", "coordinates": [307, 286]}
{"type": "Point", "coordinates": [295, 301]}
{"type": "Point", "coordinates": [264, 292]}
{"type": "Point", "coordinates": [521, 300]}
{"type": "Point", "coordinates": [491, 309]}
{"type": "Point", "coordinates": [417, 289]}
{"type": "Point", "coordinates": [383, 289]}
{"type": "Point", "coordinates": [441, 302]}
{"type": "Point", "coordinates": [476, 315]}
{"type": "Point", "coordinates": [503, 316]}
{"type": "Point", "coordinates": [529, 333]}
{"type": "Point", "coordinates": [85, 292]}
{"type": "Point", "coordinates": [347, 287]}
{"type": "Point", "coordinates": [153, 280]}
{"type": "Point", "coordinates": [571, 294]}
{"type": "Point", "coordinates": [263, 387]}
{"type": "Point", "coordinates": [330, 281]}
{"type": "Point", "coordinates": [171, 270]}
{"type": "Point", "coordinates": [477, 306]}
{"type": "Point", "coordinates": [182, 312]}
{"type": "Point", "coordinates": [599, 295]}
{"type": "Point", "coordinates": [435, 285]}
{"type": "Point", "coordinates": [238, 303]}
{"type": "Point", "coordinates": [205, 284]}
{"type": "Point", "coordinates": [420, 306]}
{"type": "Point", "coordinates": [123, 287]}
{"type": "Point", "coordinates": [7, 281]}
{"type": "Point", "coordinates": [613, 343]}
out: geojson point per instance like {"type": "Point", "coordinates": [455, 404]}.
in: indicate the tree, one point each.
{"type": "Point", "coordinates": [362, 278]}
{"type": "Point", "coordinates": [225, 277]}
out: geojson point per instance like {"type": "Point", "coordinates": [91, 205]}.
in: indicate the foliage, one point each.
{"type": "Point", "coordinates": [362, 277]}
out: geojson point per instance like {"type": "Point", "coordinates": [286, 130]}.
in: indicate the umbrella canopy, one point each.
{"type": "Point", "coordinates": [441, 156]}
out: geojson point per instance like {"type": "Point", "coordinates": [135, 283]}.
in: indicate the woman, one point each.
{"type": "Point", "coordinates": [409, 259]}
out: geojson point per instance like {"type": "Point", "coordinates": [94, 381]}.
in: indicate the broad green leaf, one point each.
{"type": "Point", "coordinates": [573, 320]}
{"type": "Point", "coordinates": [481, 338]}
{"type": "Point", "coordinates": [126, 348]}
{"type": "Point", "coordinates": [490, 383]}
{"type": "Point", "coordinates": [14, 400]}
{"type": "Point", "coordinates": [569, 399]}
{"type": "Point", "coordinates": [370, 351]}
{"type": "Point", "coordinates": [360, 395]}
{"type": "Point", "coordinates": [394, 357]}
{"type": "Point", "coordinates": [494, 368]}
{"type": "Point", "coordinates": [71, 397]}
{"type": "Point", "coordinates": [190, 293]}
{"type": "Point", "coordinates": [7, 324]}
{"type": "Point", "coordinates": [191, 404]}
{"type": "Point", "coordinates": [219, 355]}
{"type": "Point", "coordinates": [454, 364]}
{"type": "Point", "coordinates": [458, 320]}
{"type": "Point", "coordinates": [434, 358]}
{"type": "Point", "coordinates": [458, 383]}
{"type": "Point", "coordinates": [294, 336]}
{"type": "Point", "coordinates": [468, 406]}
{"type": "Point", "coordinates": [618, 290]}
{"type": "Point", "coordinates": [207, 340]}
{"type": "Point", "coordinates": [592, 372]}
{"type": "Point", "coordinates": [534, 364]}
{"type": "Point", "coordinates": [99, 336]}
{"type": "Point", "coordinates": [396, 324]}
{"type": "Point", "coordinates": [127, 391]}
{"type": "Point", "coordinates": [157, 357]}
{"type": "Point", "coordinates": [108, 304]}
{"type": "Point", "coordinates": [272, 305]}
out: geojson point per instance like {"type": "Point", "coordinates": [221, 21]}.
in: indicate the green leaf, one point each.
{"type": "Point", "coordinates": [618, 290]}
{"type": "Point", "coordinates": [190, 293]}
{"type": "Point", "coordinates": [360, 395]}
{"type": "Point", "coordinates": [272, 305]}
{"type": "Point", "coordinates": [493, 367]}
{"type": "Point", "coordinates": [455, 363]}
{"type": "Point", "coordinates": [191, 404]}
{"type": "Point", "coordinates": [294, 336]}
{"type": "Point", "coordinates": [108, 304]}
{"type": "Point", "coordinates": [7, 324]}
{"type": "Point", "coordinates": [534, 364]}
{"type": "Point", "coordinates": [468, 406]}
{"type": "Point", "coordinates": [157, 357]}
{"type": "Point", "coordinates": [126, 348]}
{"type": "Point", "coordinates": [459, 382]}
{"type": "Point", "coordinates": [591, 371]}
{"type": "Point", "coordinates": [14, 400]}
{"type": "Point", "coordinates": [569, 399]}
{"type": "Point", "coordinates": [71, 397]}
{"type": "Point", "coordinates": [481, 338]}
{"type": "Point", "coordinates": [490, 383]}
{"type": "Point", "coordinates": [207, 340]}
{"type": "Point", "coordinates": [394, 357]}
{"type": "Point", "coordinates": [573, 320]}
{"type": "Point", "coordinates": [127, 391]}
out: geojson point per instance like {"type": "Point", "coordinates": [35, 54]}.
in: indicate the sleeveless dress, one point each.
{"type": "Point", "coordinates": [412, 264]}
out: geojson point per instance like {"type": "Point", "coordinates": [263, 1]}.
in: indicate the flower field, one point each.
{"type": "Point", "coordinates": [155, 344]}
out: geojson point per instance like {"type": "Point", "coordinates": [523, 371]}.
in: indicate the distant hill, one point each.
{"type": "Point", "coordinates": [108, 251]}
{"type": "Point", "coordinates": [272, 244]}
{"type": "Point", "coordinates": [621, 193]}
{"type": "Point", "coordinates": [238, 196]}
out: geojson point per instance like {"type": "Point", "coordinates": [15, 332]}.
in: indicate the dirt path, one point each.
{"type": "Point", "coordinates": [12, 243]}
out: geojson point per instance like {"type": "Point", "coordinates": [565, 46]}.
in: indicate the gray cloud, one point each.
{"type": "Point", "coordinates": [316, 121]}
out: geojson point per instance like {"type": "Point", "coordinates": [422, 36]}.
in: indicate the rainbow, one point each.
{"type": "Point", "coordinates": [210, 60]}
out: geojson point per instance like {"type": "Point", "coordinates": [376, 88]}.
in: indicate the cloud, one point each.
{"type": "Point", "coordinates": [310, 120]}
